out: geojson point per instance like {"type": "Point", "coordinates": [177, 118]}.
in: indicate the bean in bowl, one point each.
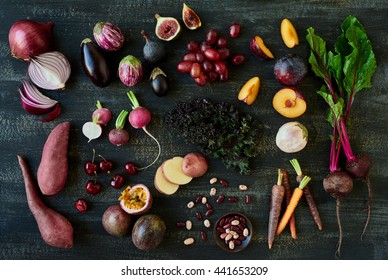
{"type": "Point", "coordinates": [233, 232]}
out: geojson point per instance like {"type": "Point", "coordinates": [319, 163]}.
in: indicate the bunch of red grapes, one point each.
{"type": "Point", "coordinates": [206, 61]}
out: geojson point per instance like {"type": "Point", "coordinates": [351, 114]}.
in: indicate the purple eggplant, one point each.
{"type": "Point", "coordinates": [95, 64]}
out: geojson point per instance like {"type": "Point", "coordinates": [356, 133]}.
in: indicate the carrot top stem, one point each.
{"type": "Point", "coordinates": [304, 182]}
{"type": "Point", "coordinates": [296, 165]}
{"type": "Point", "coordinates": [280, 177]}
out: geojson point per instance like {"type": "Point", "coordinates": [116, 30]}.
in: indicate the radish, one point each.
{"type": "Point", "coordinates": [103, 115]}
{"type": "Point", "coordinates": [139, 117]}
{"type": "Point", "coordinates": [119, 135]}
{"type": "Point", "coordinates": [92, 130]}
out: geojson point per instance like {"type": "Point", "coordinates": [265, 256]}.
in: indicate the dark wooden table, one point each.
{"type": "Point", "coordinates": [24, 134]}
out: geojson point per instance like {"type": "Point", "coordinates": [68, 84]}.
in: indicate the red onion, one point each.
{"type": "Point", "coordinates": [36, 103]}
{"type": "Point", "coordinates": [108, 36]}
{"type": "Point", "coordinates": [50, 70]}
{"type": "Point", "coordinates": [30, 38]}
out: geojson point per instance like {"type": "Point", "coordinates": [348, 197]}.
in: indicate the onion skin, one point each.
{"type": "Point", "coordinates": [108, 36]}
{"type": "Point", "coordinates": [130, 70]}
{"type": "Point", "coordinates": [30, 38]}
{"type": "Point", "coordinates": [95, 64]}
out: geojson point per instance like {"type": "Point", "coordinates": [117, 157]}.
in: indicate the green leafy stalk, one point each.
{"type": "Point", "coordinates": [134, 101]}
{"type": "Point", "coordinates": [348, 69]}
{"type": "Point", "coordinates": [121, 118]}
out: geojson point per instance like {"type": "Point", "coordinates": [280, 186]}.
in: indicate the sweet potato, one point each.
{"type": "Point", "coordinates": [53, 167]}
{"type": "Point", "coordinates": [55, 229]}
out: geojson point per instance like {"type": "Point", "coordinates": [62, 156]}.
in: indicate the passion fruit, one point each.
{"type": "Point", "coordinates": [190, 18]}
{"type": "Point", "coordinates": [148, 232]}
{"type": "Point", "coordinates": [116, 221]}
{"type": "Point", "coordinates": [167, 28]}
{"type": "Point", "coordinates": [136, 200]}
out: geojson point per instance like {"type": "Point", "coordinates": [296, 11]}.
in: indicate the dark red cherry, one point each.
{"type": "Point", "coordinates": [117, 181]}
{"type": "Point", "coordinates": [93, 187]}
{"type": "Point", "coordinates": [130, 168]}
{"type": "Point", "coordinates": [106, 166]}
{"type": "Point", "coordinates": [91, 168]}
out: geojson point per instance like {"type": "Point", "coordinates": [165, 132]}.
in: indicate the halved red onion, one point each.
{"type": "Point", "coordinates": [33, 101]}
{"type": "Point", "coordinates": [50, 70]}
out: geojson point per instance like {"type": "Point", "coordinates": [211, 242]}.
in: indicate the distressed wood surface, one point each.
{"type": "Point", "coordinates": [24, 134]}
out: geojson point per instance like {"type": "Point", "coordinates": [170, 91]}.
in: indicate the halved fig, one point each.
{"type": "Point", "coordinates": [167, 28]}
{"type": "Point", "coordinates": [136, 200]}
{"type": "Point", "coordinates": [190, 18]}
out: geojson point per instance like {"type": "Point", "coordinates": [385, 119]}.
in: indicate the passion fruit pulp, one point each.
{"type": "Point", "coordinates": [167, 28]}
{"type": "Point", "coordinates": [136, 200]}
{"type": "Point", "coordinates": [190, 18]}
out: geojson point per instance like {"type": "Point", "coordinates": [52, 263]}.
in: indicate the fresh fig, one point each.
{"type": "Point", "coordinates": [136, 200]}
{"type": "Point", "coordinates": [167, 28]}
{"type": "Point", "coordinates": [153, 51]}
{"type": "Point", "coordinates": [190, 18]}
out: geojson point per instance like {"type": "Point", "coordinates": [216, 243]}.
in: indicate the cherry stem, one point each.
{"type": "Point", "coordinates": [94, 154]}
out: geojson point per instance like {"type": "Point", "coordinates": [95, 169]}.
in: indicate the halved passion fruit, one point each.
{"type": "Point", "coordinates": [136, 200]}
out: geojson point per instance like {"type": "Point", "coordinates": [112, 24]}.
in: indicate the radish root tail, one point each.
{"type": "Point", "coordinates": [159, 148]}
{"type": "Point", "coordinates": [337, 208]}
{"type": "Point", "coordinates": [369, 186]}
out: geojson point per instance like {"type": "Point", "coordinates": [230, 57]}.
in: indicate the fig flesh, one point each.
{"type": "Point", "coordinates": [190, 18]}
{"type": "Point", "coordinates": [167, 28]}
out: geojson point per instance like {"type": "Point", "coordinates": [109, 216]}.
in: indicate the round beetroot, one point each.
{"type": "Point", "coordinates": [116, 221]}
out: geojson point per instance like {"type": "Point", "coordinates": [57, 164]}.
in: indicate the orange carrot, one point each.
{"type": "Point", "coordinates": [277, 196]}
{"type": "Point", "coordinates": [287, 186]}
{"type": "Point", "coordinates": [296, 196]}
{"type": "Point", "coordinates": [308, 195]}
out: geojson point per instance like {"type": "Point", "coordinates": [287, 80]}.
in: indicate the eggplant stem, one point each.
{"type": "Point", "coordinates": [159, 148]}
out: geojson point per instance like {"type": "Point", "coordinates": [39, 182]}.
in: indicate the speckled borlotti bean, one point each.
{"type": "Point", "coordinates": [206, 223]}
{"type": "Point", "coordinates": [243, 187]}
{"type": "Point", "coordinates": [204, 200]}
{"type": "Point", "coordinates": [213, 191]}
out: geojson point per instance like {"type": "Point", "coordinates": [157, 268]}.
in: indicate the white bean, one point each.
{"type": "Point", "coordinates": [213, 180]}
{"type": "Point", "coordinates": [190, 204]}
{"type": "Point", "coordinates": [188, 241]}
